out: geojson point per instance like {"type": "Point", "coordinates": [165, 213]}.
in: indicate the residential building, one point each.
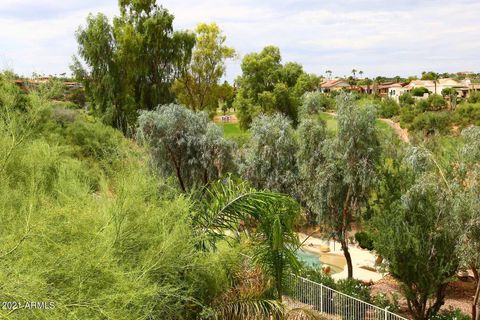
{"type": "Point", "coordinates": [334, 85]}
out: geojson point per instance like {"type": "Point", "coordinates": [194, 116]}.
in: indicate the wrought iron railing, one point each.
{"type": "Point", "coordinates": [333, 304]}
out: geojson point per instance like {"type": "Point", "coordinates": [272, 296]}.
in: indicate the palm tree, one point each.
{"type": "Point", "coordinates": [354, 72]}
{"type": "Point", "coordinates": [360, 73]}
{"type": "Point", "coordinates": [329, 73]}
{"type": "Point", "coordinates": [224, 204]}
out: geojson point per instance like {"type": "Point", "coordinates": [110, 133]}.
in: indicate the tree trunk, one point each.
{"type": "Point", "coordinates": [346, 253]}
{"type": "Point", "coordinates": [476, 303]}
{"type": "Point", "coordinates": [278, 280]}
{"type": "Point", "coordinates": [180, 179]}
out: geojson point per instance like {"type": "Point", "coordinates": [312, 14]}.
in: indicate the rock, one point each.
{"type": "Point", "coordinates": [324, 249]}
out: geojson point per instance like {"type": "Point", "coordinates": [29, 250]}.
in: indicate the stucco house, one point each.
{"type": "Point", "coordinates": [460, 85]}
{"type": "Point", "coordinates": [396, 90]}
{"type": "Point", "coordinates": [334, 85]}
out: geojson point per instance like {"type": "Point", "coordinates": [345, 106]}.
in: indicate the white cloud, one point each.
{"type": "Point", "coordinates": [403, 38]}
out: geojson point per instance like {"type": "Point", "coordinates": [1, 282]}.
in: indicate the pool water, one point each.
{"type": "Point", "coordinates": [313, 260]}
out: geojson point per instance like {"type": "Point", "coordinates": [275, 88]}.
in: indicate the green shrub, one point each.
{"type": "Point", "coordinates": [406, 99]}
{"type": "Point", "coordinates": [317, 275]}
{"type": "Point", "coordinates": [422, 105]}
{"type": "Point", "coordinates": [474, 97]}
{"type": "Point", "coordinates": [388, 108]}
{"type": "Point", "coordinates": [419, 91]}
{"type": "Point", "coordinates": [64, 116]}
{"type": "Point", "coordinates": [451, 314]}
{"type": "Point", "coordinates": [436, 102]}
{"type": "Point", "coordinates": [381, 300]}
{"type": "Point", "coordinates": [431, 122]}
{"type": "Point", "coordinates": [315, 102]}
{"type": "Point", "coordinates": [94, 140]}
{"type": "Point", "coordinates": [354, 288]}
{"type": "Point", "coordinates": [407, 114]}
{"type": "Point", "coordinates": [468, 113]}
{"type": "Point", "coordinates": [364, 240]}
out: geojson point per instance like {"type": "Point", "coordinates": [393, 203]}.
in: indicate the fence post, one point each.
{"type": "Point", "coordinates": [386, 313]}
{"type": "Point", "coordinates": [321, 298]}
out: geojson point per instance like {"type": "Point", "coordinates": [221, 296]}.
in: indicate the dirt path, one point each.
{"type": "Point", "coordinates": [399, 131]}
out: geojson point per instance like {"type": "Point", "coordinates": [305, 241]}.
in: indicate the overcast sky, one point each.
{"type": "Point", "coordinates": [401, 37]}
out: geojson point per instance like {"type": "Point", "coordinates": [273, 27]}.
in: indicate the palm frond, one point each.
{"type": "Point", "coordinates": [303, 314]}
{"type": "Point", "coordinates": [250, 309]}
{"type": "Point", "coordinates": [225, 203]}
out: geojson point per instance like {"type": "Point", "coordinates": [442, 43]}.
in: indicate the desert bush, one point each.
{"type": "Point", "coordinates": [364, 240]}
{"type": "Point", "coordinates": [436, 102]}
{"type": "Point", "coordinates": [474, 97]}
{"type": "Point", "coordinates": [94, 140]}
{"type": "Point", "coordinates": [419, 91]}
{"type": "Point", "coordinates": [451, 314]}
{"type": "Point", "coordinates": [354, 288]}
{"type": "Point", "coordinates": [388, 108]}
{"type": "Point", "coordinates": [422, 105]}
{"type": "Point", "coordinates": [406, 99]}
{"type": "Point", "coordinates": [407, 114]}
{"type": "Point", "coordinates": [468, 113]}
{"type": "Point", "coordinates": [431, 122]}
{"type": "Point", "coordinates": [383, 301]}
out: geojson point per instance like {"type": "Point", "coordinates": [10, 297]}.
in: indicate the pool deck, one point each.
{"type": "Point", "coordinates": [361, 258]}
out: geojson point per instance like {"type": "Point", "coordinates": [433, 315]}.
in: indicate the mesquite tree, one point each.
{"type": "Point", "coordinates": [185, 144]}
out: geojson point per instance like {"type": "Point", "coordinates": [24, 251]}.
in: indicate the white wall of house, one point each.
{"type": "Point", "coordinates": [396, 92]}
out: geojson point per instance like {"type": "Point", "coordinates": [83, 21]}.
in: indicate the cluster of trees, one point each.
{"type": "Point", "coordinates": [268, 86]}
{"type": "Point", "coordinates": [139, 62]}
{"type": "Point", "coordinates": [93, 231]}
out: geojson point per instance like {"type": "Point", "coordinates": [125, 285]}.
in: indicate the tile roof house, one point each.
{"type": "Point", "coordinates": [334, 85]}
{"type": "Point", "coordinates": [460, 85]}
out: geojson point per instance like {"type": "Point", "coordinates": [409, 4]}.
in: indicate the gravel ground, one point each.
{"type": "Point", "coordinates": [459, 293]}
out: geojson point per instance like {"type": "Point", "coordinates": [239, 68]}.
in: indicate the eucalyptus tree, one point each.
{"type": "Point", "coordinates": [348, 171]}
{"type": "Point", "coordinates": [185, 144]}
{"type": "Point", "coordinates": [270, 157]}
{"type": "Point", "coordinates": [199, 87]}
{"type": "Point", "coordinates": [132, 63]}
{"type": "Point", "coordinates": [315, 102]}
{"type": "Point", "coordinates": [312, 136]}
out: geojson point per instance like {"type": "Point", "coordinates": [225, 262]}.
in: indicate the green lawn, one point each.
{"type": "Point", "coordinates": [332, 123]}
{"type": "Point", "coordinates": [330, 120]}
{"type": "Point", "coordinates": [233, 132]}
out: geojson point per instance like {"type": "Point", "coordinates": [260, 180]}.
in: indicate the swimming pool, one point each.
{"type": "Point", "coordinates": [313, 260]}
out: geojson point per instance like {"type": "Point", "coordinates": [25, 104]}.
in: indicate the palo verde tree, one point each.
{"type": "Point", "coordinates": [270, 161]}
{"type": "Point", "coordinates": [417, 233]}
{"type": "Point", "coordinates": [185, 144]}
{"type": "Point", "coordinates": [348, 173]}
{"type": "Point", "coordinates": [198, 87]}
{"type": "Point", "coordinates": [132, 63]}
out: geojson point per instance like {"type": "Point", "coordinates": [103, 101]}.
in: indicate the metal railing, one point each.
{"type": "Point", "coordinates": [331, 303]}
